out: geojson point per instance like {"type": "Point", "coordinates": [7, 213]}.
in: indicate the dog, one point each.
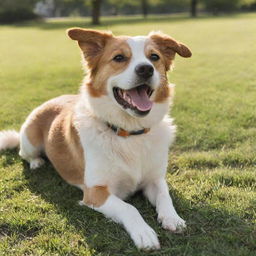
{"type": "Point", "coordinates": [112, 139]}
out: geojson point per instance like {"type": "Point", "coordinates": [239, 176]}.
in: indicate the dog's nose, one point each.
{"type": "Point", "coordinates": [144, 70]}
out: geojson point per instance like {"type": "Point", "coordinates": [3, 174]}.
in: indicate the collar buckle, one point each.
{"type": "Point", "coordinates": [121, 132]}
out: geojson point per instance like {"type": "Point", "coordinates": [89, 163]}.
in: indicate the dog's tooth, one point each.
{"type": "Point", "coordinates": [127, 98]}
{"type": "Point", "coordinates": [120, 93]}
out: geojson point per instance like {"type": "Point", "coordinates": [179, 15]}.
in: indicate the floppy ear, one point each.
{"type": "Point", "coordinates": [91, 42]}
{"type": "Point", "coordinates": [168, 46]}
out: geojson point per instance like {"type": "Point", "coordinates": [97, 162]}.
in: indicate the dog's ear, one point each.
{"type": "Point", "coordinates": [168, 46]}
{"type": "Point", "coordinates": [91, 42]}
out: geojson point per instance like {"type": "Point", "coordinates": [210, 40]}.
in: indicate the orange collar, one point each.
{"type": "Point", "coordinates": [123, 133]}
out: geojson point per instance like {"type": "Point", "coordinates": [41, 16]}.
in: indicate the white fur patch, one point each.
{"type": "Point", "coordinates": [27, 150]}
{"type": "Point", "coordinates": [9, 139]}
{"type": "Point", "coordinates": [36, 163]}
{"type": "Point", "coordinates": [123, 164]}
{"type": "Point", "coordinates": [158, 194]}
{"type": "Point", "coordinates": [141, 233]}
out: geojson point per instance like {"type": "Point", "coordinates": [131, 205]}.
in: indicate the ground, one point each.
{"type": "Point", "coordinates": [212, 164]}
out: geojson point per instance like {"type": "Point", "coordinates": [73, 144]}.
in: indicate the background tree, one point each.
{"type": "Point", "coordinates": [68, 7]}
{"type": "Point", "coordinates": [115, 6]}
{"type": "Point", "coordinates": [225, 6]}
{"type": "Point", "coordinates": [96, 5]}
{"type": "Point", "coordinates": [168, 6]}
{"type": "Point", "coordinates": [125, 6]}
{"type": "Point", "coordinates": [144, 7]}
{"type": "Point", "coordinates": [16, 10]}
{"type": "Point", "coordinates": [193, 8]}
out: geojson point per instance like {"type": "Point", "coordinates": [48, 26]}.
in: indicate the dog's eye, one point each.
{"type": "Point", "coordinates": [154, 57]}
{"type": "Point", "coordinates": [119, 58]}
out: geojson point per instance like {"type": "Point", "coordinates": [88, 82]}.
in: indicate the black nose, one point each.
{"type": "Point", "coordinates": [145, 71]}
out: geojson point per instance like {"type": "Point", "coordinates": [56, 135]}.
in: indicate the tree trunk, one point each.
{"type": "Point", "coordinates": [144, 6]}
{"type": "Point", "coordinates": [193, 6]}
{"type": "Point", "coordinates": [96, 12]}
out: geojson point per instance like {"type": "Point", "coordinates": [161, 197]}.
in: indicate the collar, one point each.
{"type": "Point", "coordinates": [123, 133]}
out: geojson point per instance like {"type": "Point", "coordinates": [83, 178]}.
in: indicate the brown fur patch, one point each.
{"type": "Point", "coordinates": [165, 47]}
{"type": "Point", "coordinates": [95, 92]}
{"type": "Point", "coordinates": [169, 46]}
{"type": "Point", "coordinates": [95, 196]}
{"type": "Point", "coordinates": [52, 127]}
{"type": "Point", "coordinates": [99, 48]}
{"type": "Point", "coordinates": [163, 92]}
{"type": "Point", "coordinates": [106, 67]}
{"type": "Point", "coordinates": [91, 42]}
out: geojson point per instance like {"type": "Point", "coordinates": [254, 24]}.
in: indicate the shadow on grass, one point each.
{"type": "Point", "coordinates": [210, 231]}
{"type": "Point", "coordinates": [9, 157]}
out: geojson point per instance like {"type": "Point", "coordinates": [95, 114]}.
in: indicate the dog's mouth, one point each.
{"type": "Point", "coordinates": [136, 99]}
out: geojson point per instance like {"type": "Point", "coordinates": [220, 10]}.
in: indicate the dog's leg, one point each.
{"type": "Point", "coordinates": [29, 152]}
{"type": "Point", "coordinates": [158, 194]}
{"type": "Point", "coordinates": [121, 212]}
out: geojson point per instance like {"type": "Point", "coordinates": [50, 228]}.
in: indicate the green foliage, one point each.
{"type": "Point", "coordinates": [170, 3]}
{"type": "Point", "coordinates": [123, 3]}
{"type": "Point", "coordinates": [212, 163]}
{"type": "Point", "coordinates": [217, 6]}
{"type": "Point", "coordinates": [70, 7]}
{"type": "Point", "coordinates": [16, 10]}
{"type": "Point", "coordinates": [153, 6]}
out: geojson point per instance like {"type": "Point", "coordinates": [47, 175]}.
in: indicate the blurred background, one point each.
{"type": "Point", "coordinates": [16, 10]}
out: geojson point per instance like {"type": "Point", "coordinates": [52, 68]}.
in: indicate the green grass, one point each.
{"type": "Point", "coordinates": [212, 164]}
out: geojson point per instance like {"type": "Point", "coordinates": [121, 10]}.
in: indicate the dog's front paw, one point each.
{"type": "Point", "coordinates": [36, 163]}
{"type": "Point", "coordinates": [173, 223]}
{"type": "Point", "coordinates": [145, 238]}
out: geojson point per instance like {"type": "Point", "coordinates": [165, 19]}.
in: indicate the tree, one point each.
{"type": "Point", "coordinates": [144, 7]}
{"type": "Point", "coordinates": [217, 6]}
{"type": "Point", "coordinates": [116, 5]}
{"type": "Point", "coordinates": [193, 8]}
{"type": "Point", "coordinates": [96, 4]}
{"type": "Point", "coordinates": [66, 7]}
{"type": "Point", "coordinates": [16, 10]}
{"type": "Point", "coordinates": [169, 6]}
{"type": "Point", "coordinates": [125, 6]}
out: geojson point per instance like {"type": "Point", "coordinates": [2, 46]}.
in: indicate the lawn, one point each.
{"type": "Point", "coordinates": [212, 164]}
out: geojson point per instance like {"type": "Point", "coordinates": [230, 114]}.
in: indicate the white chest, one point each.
{"type": "Point", "coordinates": [125, 164]}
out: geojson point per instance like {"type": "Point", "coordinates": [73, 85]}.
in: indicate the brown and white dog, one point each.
{"type": "Point", "coordinates": [112, 139]}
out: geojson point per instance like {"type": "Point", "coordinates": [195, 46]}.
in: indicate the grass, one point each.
{"type": "Point", "coordinates": [212, 164]}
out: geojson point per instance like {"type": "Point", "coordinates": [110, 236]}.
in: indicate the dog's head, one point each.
{"type": "Point", "coordinates": [129, 70]}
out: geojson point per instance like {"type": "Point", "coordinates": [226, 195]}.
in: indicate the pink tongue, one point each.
{"type": "Point", "coordinates": [140, 98]}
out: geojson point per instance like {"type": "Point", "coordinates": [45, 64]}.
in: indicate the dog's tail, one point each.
{"type": "Point", "coordinates": [9, 139]}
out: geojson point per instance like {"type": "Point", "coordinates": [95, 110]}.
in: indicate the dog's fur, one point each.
{"type": "Point", "coordinates": [73, 131]}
